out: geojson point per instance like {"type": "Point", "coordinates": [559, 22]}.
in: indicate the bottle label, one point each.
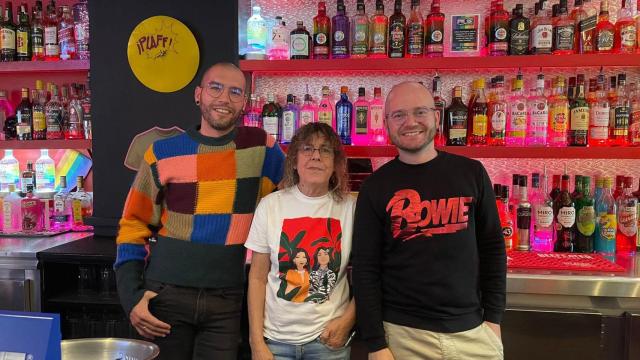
{"type": "Point", "coordinates": [542, 37]}
{"type": "Point", "coordinates": [628, 36]}
{"type": "Point", "coordinates": [80, 32]}
{"type": "Point", "coordinates": [605, 40]}
{"type": "Point", "coordinates": [37, 41]}
{"type": "Point", "coordinates": [634, 128]}
{"type": "Point", "coordinates": [458, 125]}
{"type": "Point", "coordinates": [599, 133]}
{"type": "Point", "coordinates": [539, 119]}
{"type": "Point", "coordinates": [518, 121]}
{"type": "Point", "coordinates": [628, 220]}
{"type": "Point", "coordinates": [76, 211]}
{"type": "Point", "coordinates": [306, 117]}
{"type": "Point", "coordinates": [435, 37]}
{"type": "Point", "coordinates": [65, 34]}
{"type": "Point", "coordinates": [396, 39]}
{"type": "Point", "coordinates": [39, 121]}
{"type": "Point", "coordinates": [580, 118]}
{"type": "Point", "coordinates": [415, 38]}
{"type": "Point", "coordinates": [270, 125]}
{"type": "Point", "coordinates": [599, 115]}
{"type": "Point", "coordinates": [24, 181]}
{"type": "Point", "coordinates": [343, 121]}
{"type": "Point", "coordinates": [567, 216]}
{"type": "Point", "coordinates": [498, 121]}
{"type": "Point", "coordinates": [23, 130]}
{"type": "Point", "coordinates": [564, 37]}
{"type": "Point", "coordinates": [288, 125]}
{"type": "Point", "coordinates": [321, 46]}
{"type": "Point", "coordinates": [299, 45]}
{"type": "Point", "coordinates": [559, 118]}
{"type": "Point", "coordinates": [54, 120]}
{"type": "Point", "coordinates": [480, 125]}
{"type": "Point", "coordinates": [325, 117]}
{"type": "Point", "coordinates": [523, 217]}
{"type": "Point", "coordinates": [361, 119]}
{"type": "Point", "coordinates": [31, 214]}
{"type": "Point", "coordinates": [544, 216]}
{"type": "Point", "coordinates": [608, 225]}
{"type": "Point", "coordinates": [359, 45]}
{"type": "Point", "coordinates": [22, 43]}
{"type": "Point", "coordinates": [339, 46]}
{"type": "Point", "coordinates": [7, 213]}
{"type": "Point", "coordinates": [379, 38]}
{"type": "Point", "coordinates": [377, 118]}
{"type": "Point", "coordinates": [338, 35]}
{"type": "Point", "coordinates": [59, 205]}
{"type": "Point", "coordinates": [7, 39]}
{"type": "Point", "coordinates": [519, 41]}
{"type": "Point", "coordinates": [621, 121]}
{"type": "Point", "coordinates": [50, 35]}
{"type": "Point", "coordinates": [587, 220]}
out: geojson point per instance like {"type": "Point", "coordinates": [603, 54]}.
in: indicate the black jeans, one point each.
{"type": "Point", "coordinates": [205, 323]}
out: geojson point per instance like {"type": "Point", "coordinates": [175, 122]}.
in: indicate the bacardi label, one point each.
{"type": "Point", "coordinates": [567, 216]}
{"type": "Point", "coordinates": [415, 38]}
{"type": "Point", "coordinates": [605, 40]}
{"type": "Point", "coordinates": [396, 40]}
{"type": "Point", "coordinates": [288, 125]}
{"type": "Point", "coordinates": [539, 119]}
{"type": "Point", "coordinates": [518, 121]}
{"type": "Point", "coordinates": [7, 39]}
{"type": "Point", "coordinates": [544, 216]}
{"type": "Point", "coordinates": [621, 121]}
{"type": "Point", "coordinates": [376, 117]}
{"type": "Point", "coordinates": [628, 220]}
{"type": "Point", "coordinates": [564, 37]}
{"type": "Point", "coordinates": [628, 36]}
{"type": "Point", "coordinates": [361, 120]}
{"type": "Point", "coordinates": [22, 43]}
{"type": "Point", "coordinates": [587, 220]}
{"type": "Point", "coordinates": [306, 117]}
{"type": "Point", "coordinates": [299, 45]}
{"type": "Point", "coordinates": [542, 37]}
{"type": "Point", "coordinates": [580, 118]}
{"type": "Point", "coordinates": [270, 125]}
{"type": "Point", "coordinates": [480, 125]}
{"type": "Point", "coordinates": [608, 225]}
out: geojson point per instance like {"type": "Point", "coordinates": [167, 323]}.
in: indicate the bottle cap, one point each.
{"type": "Point", "coordinates": [497, 190]}
{"type": "Point", "coordinates": [290, 98]}
{"type": "Point", "coordinates": [377, 92]}
{"type": "Point", "coordinates": [522, 181]}
{"type": "Point", "coordinates": [628, 182]}
{"type": "Point", "coordinates": [344, 89]}
{"type": "Point", "coordinates": [361, 91]}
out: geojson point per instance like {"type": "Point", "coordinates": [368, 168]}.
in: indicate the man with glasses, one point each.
{"type": "Point", "coordinates": [429, 262]}
{"type": "Point", "coordinates": [198, 191]}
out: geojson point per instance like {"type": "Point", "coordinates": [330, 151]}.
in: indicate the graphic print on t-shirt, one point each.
{"type": "Point", "coordinates": [411, 217]}
{"type": "Point", "coordinates": [309, 258]}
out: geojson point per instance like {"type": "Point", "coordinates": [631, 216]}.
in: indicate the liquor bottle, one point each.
{"type": "Point", "coordinates": [634, 118]}
{"type": "Point", "coordinates": [542, 215]}
{"type": "Point", "coordinates": [439, 103]}
{"type": "Point", "coordinates": [605, 30]}
{"type": "Point", "coordinates": [512, 202]}
{"type": "Point", "coordinates": [517, 121]}
{"type": "Point", "coordinates": [360, 131]}
{"type": "Point", "coordinates": [9, 170]}
{"type": "Point", "coordinates": [455, 120]}
{"type": "Point", "coordinates": [378, 31]}
{"type": "Point", "coordinates": [376, 114]}
{"type": "Point", "coordinates": [344, 116]}
{"type": "Point", "coordinates": [563, 32]}
{"type": "Point", "coordinates": [397, 28]}
{"type": "Point", "coordinates": [74, 129]}
{"type": "Point", "coordinates": [256, 35]}
{"type": "Point", "coordinates": [37, 33]}
{"type": "Point", "coordinates": [542, 32]}
{"type": "Point", "coordinates": [85, 101]}
{"type": "Point", "coordinates": [538, 115]}
{"type": "Point", "coordinates": [597, 194]}
{"type": "Point", "coordinates": [38, 113]}
{"type": "Point", "coordinates": [487, 28]}
{"type": "Point", "coordinates": [300, 41]}
{"type": "Point", "coordinates": [32, 212]}
{"type": "Point", "coordinates": [571, 89]}
{"type": "Point", "coordinates": [415, 31]}
{"type": "Point", "coordinates": [308, 112]}
{"type": "Point", "coordinates": [559, 115]}
{"type": "Point", "coordinates": [51, 45]}
{"type": "Point", "coordinates": [321, 33]}
{"type": "Point", "coordinates": [625, 35]}
{"type": "Point", "coordinates": [81, 203]}
{"type": "Point", "coordinates": [619, 121]}
{"type": "Point", "coordinates": [359, 32]}
{"type": "Point", "coordinates": [519, 27]}
{"type": "Point", "coordinates": [478, 127]}
{"type": "Point", "coordinates": [62, 207]}
{"type": "Point", "coordinates": [499, 30]}
{"type": "Point", "coordinates": [577, 189]}
{"type": "Point", "coordinates": [586, 21]}
{"type": "Point", "coordinates": [11, 203]}
{"type": "Point", "coordinates": [497, 115]}
{"type": "Point", "coordinates": [627, 219]}
{"type": "Point", "coordinates": [8, 35]}
{"type": "Point", "coordinates": [577, 15]}
{"type": "Point", "coordinates": [289, 123]}
{"type": "Point", "coordinates": [65, 35]}
{"type": "Point", "coordinates": [23, 35]}
{"type": "Point", "coordinates": [506, 221]}
{"type": "Point", "coordinates": [579, 117]}
{"type": "Point", "coordinates": [524, 217]}
{"type": "Point", "coordinates": [325, 109]}
{"type": "Point", "coordinates": [252, 116]}
{"type": "Point", "coordinates": [53, 115]}
{"type": "Point", "coordinates": [24, 115]}
{"type": "Point", "coordinates": [472, 97]}
{"type": "Point", "coordinates": [271, 114]}
{"type": "Point", "coordinates": [279, 46]}
{"type": "Point", "coordinates": [617, 193]}
{"type": "Point", "coordinates": [607, 209]}
{"type": "Point", "coordinates": [585, 218]}
{"type": "Point", "coordinates": [599, 116]}
{"type": "Point", "coordinates": [434, 31]}
{"type": "Point", "coordinates": [565, 213]}
{"type": "Point", "coordinates": [28, 177]}
{"type": "Point", "coordinates": [81, 28]}
{"type": "Point", "coordinates": [340, 27]}
{"type": "Point", "coordinates": [636, 194]}
{"type": "Point", "coordinates": [45, 172]}
{"type": "Point", "coordinates": [555, 187]}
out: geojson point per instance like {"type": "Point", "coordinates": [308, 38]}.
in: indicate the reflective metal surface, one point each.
{"type": "Point", "coordinates": [29, 247]}
{"type": "Point", "coordinates": [108, 349]}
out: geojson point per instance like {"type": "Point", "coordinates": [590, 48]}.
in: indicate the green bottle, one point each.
{"type": "Point", "coordinates": [585, 218]}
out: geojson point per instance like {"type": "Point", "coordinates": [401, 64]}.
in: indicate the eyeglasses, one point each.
{"type": "Point", "coordinates": [421, 113]}
{"type": "Point", "coordinates": [215, 90]}
{"type": "Point", "coordinates": [324, 151]}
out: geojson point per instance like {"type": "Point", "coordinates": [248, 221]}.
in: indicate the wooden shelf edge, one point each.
{"type": "Point", "coordinates": [44, 66]}
{"type": "Point", "coordinates": [46, 144]}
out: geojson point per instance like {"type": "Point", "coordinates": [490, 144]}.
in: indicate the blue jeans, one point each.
{"type": "Point", "coordinates": [314, 350]}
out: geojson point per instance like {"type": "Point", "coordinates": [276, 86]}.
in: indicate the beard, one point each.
{"type": "Point", "coordinates": [208, 113]}
{"type": "Point", "coordinates": [430, 134]}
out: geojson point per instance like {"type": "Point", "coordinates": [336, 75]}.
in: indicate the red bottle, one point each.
{"type": "Point", "coordinates": [619, 187]}
{"type": "Point", "coordinates": [625, 38]}
{"type": "Point", "coordinates": [415, 32]}
{"type": "Point", "coordinates": [605, 31]}
{"type": "Point", "coordinates": [51, 45]}
{"type": "Point", "coordinates": [499, 30]}
{"type": "Point", "coordinates": [506, 221]}
{"type": "Point", "coordinates": [626, 234]}
{"type": "Point", "coordinates": [321, 33]}
{"type": "Point", "coordinates": [434, 31]}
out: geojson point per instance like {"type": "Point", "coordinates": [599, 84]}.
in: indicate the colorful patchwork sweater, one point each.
{"type": "Point", "coordinates": [199, 193]}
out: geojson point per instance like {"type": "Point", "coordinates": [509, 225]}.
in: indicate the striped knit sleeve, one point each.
{"type": "Point", "coordinates": [272, 168]}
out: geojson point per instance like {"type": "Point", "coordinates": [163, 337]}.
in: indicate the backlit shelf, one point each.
{"type": "Point", "coordinates": [45, 144]}
{"type": "Point", "coordinates": [44, 66]}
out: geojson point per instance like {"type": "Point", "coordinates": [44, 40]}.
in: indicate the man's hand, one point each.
{"type": "Point", "coordinates": [260, 351]}
{"type": "Point", "coordinates": [146, 324]}
{"type": "Point", "coordinates": [336, 332]}
{"type": "Point", "coordinates": [495, 328]}
{"type": "Point", "coordinates": [384, 354]}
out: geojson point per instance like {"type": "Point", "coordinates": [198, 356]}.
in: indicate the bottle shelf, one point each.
{"type": "Point", "coordinates": [46, 144]}
{"type": "Point", "coordinates": [443, 63]}
{"type": "Point", "coordinates": [61, 66]}
{"type": "Point", "coordinates": [508, 152]}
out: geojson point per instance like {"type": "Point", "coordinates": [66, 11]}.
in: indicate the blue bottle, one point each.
{"type": "Point", "coordinates": [344, 116]}
{"type": "Point", "coordinates": [290, 117]}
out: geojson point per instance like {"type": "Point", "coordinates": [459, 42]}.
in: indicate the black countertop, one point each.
{"type": "Point", "coordinates": [92, 249]}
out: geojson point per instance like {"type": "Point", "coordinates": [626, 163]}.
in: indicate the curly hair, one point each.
{"type": "Point", "coordinates": [339, 181]}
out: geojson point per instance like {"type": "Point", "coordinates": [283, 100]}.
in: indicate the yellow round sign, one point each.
{"type": "Point", "coordinates": [163, 54]}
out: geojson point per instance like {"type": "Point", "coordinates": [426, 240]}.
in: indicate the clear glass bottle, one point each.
{"type": "Point", "coordinates": [325, 109]}
{"type": "Point", "coordinates": [361, 126]}
{"type": "Point", "coordinates": [607, 209]}
{"type": "Point", "coordinates": [81, 29]}
{"type": "Point", "coordinates": [279, 47]}
{"type": "Point", "coordinates": [377, 132]}
{"type": "Point", "coordinates": [542, 215]}
{"type": "Point", "coordinates": [359, 32]}
{"type": "Point", "coordinates": [498, 114]}
{"type": "Point", "coordinates": [9, 170]}
{"type": "Point", "coordinates": [85, 101]}
{"type": "Point", "coordinates": [256, 35]}
{"type": "Point", "coordinates": [559, 115]}
{"type": "Point", "coordinates": [517, 120]}
{"type": "Point", "coordinates": [627, 219]}
{"type": "Point", "coordinates": [537, 115]}
{"type": "Point", "coordinates": [344, 116]}
{"type": "Point", "coordinates": [81, 203]}
{"type": "Point", "coordinates": [54, 116]}
{"type": "Point", "coordinates": [378, 31]}
{"type": "Point", "coordinates": [45, 172]}
{"type": "Point", "coordinates": [11, 212]}
{"type": "Point", "coordinates": [439, 103]}
{"type": "Point", "coordinates": [620, 115]}
{"type": "Point", "coordinates": [599, 116]}
{"type": "Point", "coordinates": [62, 207]}
{"type": "Point", "coordinates": [66, 39]}
{"type": "Point", "coordinates": [309, 110]}
{"type": "Point", "coordinates": [74, 128]}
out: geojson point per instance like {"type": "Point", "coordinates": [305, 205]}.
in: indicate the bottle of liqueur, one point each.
{"type": "Point", "coordinates": [37, 33]}
{"type": "Point", "coordinates": [62, 207]}
{"type": "Point", "coordinates": [252, 115]}
{"type": "Point", "coordinates": [619, 131]}
{"type": "Point", "coordinates": [23, 35]}
{"type": "Point", "coordinates": [32, 212]}
{"type": "Point", "coordinates": [321, 33]}
{"type": "Point", "coordinates": [478, 132]}
{"type": "Point", "coordinates": [279, 47]}
{"type": "Point", "coordinates": [359, 32]}
{"type": "Point", "coordinates": [300, 42]}
{"type": "Point", "coordinates": [599, 116]}
{"type": "Point", "coordinates": [634, 119]}
{"type": "Point", "coordinates": [524, 217]}
{"type": "Point", "coordinates": [455, 120]}
{"type": "Point", "coordinates": [542, 215]}
{"type": "Point", "coordinates": [81, 203]}
{"type": "Point", "coordinates": [415, 31]}
{"type": "Point", "coordinates": [625, 36]}
{"type": "Point", "coordinates": [627, 219]}
{"type": "Point", "coordinates": [617, 193]}
{"type": "Point", "coordinates": [376, 114]}
{"type": "Point", "coordinates": [290, 116]}
{"type": "Point", "coordinates": [563, 32]}
{"type": "Point", "coordinates": [586, 38]}
{"type": "Point", "coordinates": [565, 213]}
{"type": "Point", "coordinates": [487, 27]}
{"type": "Point", "coordinates": [607, 209]}
{"type": "Point", "coordinates": [579, 116]}
{"type": "Point", "coordinates": [271, 114]}
{"type": "Point", "coordinates": [340, 28]}
{"type": "Point", "coordinates": [434, 27]}
{"type": "Point", "coordinates": [519, 27]}
{"type": "Point", "coordinates": [66, 40]}
{"type": "Point", "coordinates": [515, 196]}
{"type": "Point", "coordinates": [542, 32]}
{"type": "Point", "coordinates": [555, 187]}
{"type": "Point", "coordinates": [585, 218]}
{"type": "Point", "coordinates": [8, 35]}
{"type": "Point", "coordinates": [505, 218]}
{"type": "Point", "coordinates": [538, 115]}
{"type": "Point", "coordinates": [344, 116]}
{"type": "Point", "coordinates": [605, 31]}
{"type": "Point", "coordinates": [39, 119]}
{"type": "Point", "coordinates": [309, 111]}
{"type": "Point", "coordinates": [559, 115]}
{"type": "Point", "coordinates": [51, 45]}
{"type": "Point", "coordinates": [24, 113]}
{"type": "Point", "coordinates": [517, 121]}
{"type": "Point", "coordinates": [577, 190]}
{"type": "Point", "coordinates": [256, 35]}
{"type": "Point", "coordinates": [54, 114]}
{"type": "Point", "coordinates": [439, 103]}
{"type": "Point", "coordinates": [378, 31]}
{"type": "Point", "coordinates": [397, 28]}
{"type": "Point", "coordinates": [362, 119]}
{"type": "Point", "coordinates": [577, 14]}
{"type": "Point", "coordinates": [325, 109]}
{"type": "Point", "coordinates": [497, 115]}
{"type": "Point", "coordinates": [27, 178]}
{"type": "Point", "coordinates": [499, 30]}
{"type": "Point", "coordinates": [636, 194]}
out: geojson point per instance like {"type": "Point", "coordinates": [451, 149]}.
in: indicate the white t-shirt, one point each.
{"type": "Point", "coordinates": [304, 294]}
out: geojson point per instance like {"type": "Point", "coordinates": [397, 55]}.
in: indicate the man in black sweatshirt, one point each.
{"type": "Point", "coordinates": [429, 260]}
